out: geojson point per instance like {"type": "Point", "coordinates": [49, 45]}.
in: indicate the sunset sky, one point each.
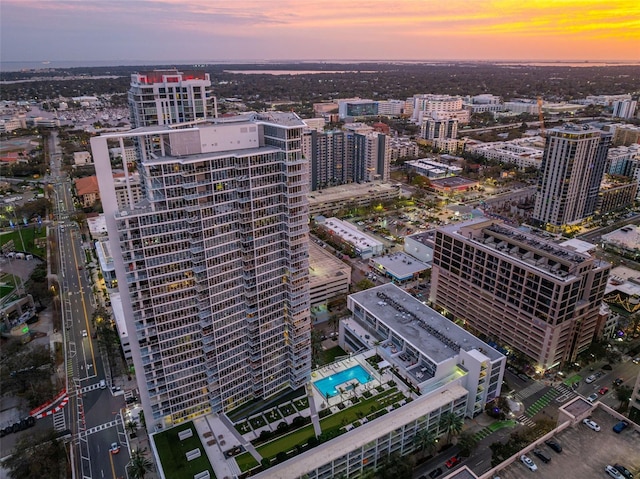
{"type": "Point", "coordinates": [209, 30]}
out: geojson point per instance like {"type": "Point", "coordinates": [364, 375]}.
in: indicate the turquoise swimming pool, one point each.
{"type": "Point", "coordinates": [327, 386]}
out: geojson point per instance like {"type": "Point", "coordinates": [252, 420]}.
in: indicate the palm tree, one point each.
{"type": "Point", "coordinates": [425, 441]}
{"type": "Point", "coordinates": [467, 443]}
{"type": "Point", "coordinates": [451, 424]}
{"type": "Point", "coordinates": [139, 464]}
{"type": "Point", "coordinates": [623, 394]}
{"type": "Point", "coordinates": [132, 427]}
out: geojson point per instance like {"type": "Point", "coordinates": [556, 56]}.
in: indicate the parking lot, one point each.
{"type": "Point", "coordinates": [585, 453]}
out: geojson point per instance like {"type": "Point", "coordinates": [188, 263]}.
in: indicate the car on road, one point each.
{"type": "Point", "coordinates": [624, 471]}
{"type": "Point", "coordinates": [553, 444]}
{"type": "Point", "coordinates": [527, 461]}
{"type": "Point", "coordinates": [455, 460]}
{"type": "Point", "coordinates": [636, 360]}
{"type": "Point", "coordinates": [613, 472]}
{"type": "Point", "coordinates": [591, 424]}
{"type": "Point", "coordinates": [84, 333]}
{"type": "Point", "coordinates": [603, 391]}
{"type": "Point", "coordinates": [618, 381]}
{"type": "Point", "coordinates": [592, 397]}
{"type": "Point", "coordinates": [621, 426]}
{"type": "Point", "coordinates": [590, 379]}
{"type": "Point", "coordinates": [115, 448]}
{"type": "Point", "coordinates": [435, 473]}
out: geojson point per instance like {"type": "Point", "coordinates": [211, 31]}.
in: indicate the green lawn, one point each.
{"type": "Point", "coordinates": [246, 461]}
{"type": "Point", "coordinates": [172, 453]}
{"type": "Point", "coordinates": [571, 380]}
{"type": "Point", "coordinates": [24, 239]}
{"type": "Point", "coordinates": [301, 404]}
{"type": "Point", "coordinates": [301, 436]}
{"type": "Point", "coordinates": [329, 355]}
{"type": "Point", "coordinates": [257, 422]}
{"type": "Point", "coordinates": [7, 284]}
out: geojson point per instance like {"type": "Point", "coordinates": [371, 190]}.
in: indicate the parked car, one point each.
{"type": "Point", "coordinates": [553, 444]}
{"type": "Point", "coordinates": [542, 455]}
{"type": "Point", "coordinates": [435, 473]}
{"type": "Point", "coordinates": [621, 426]}
{"type": "Point", "coordinates": [618, 381]}
{"type": "Point", "coordinates": [455, 460]}
{"type": "Point", "coordinates": [624, 471]}
{"type": "Point", "coordinates": [527, 461]}
{"type": "Point", "coordinates": [592, 398]}
{"type": "Point", "coordinates": [603, 391]}
{"type": "Point", "coordinates": [591, 424]}
{"type": "Point", "coordinates": [613, 472]}
{"type": "Point", "coordinates": [590, 379]}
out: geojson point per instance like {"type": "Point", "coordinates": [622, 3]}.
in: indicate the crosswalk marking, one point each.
{"type": "Point", "coordinates": [528, 391]}
{"type": "Point", "coordinates": [526, 420]}
{"type": "Point", "coordinates": [100, 427]}
{"type": "Point", "coordinates": [59, 423]}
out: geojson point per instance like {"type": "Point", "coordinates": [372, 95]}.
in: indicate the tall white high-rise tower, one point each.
{"type": "Point", "coordinates": [212, 263]}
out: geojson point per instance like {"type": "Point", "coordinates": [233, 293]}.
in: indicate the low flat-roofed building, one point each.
{"type": "Point", "coordinates": [420, 245]}
{"type": "Point", "coordinates": [361, 244]}
{"type": "Point", "coordinates": [422, 345]}
{"type": "Point", "coordinates": [523, 152]}
{"type": "Point", "coordinates": [328, 277]}
{"type": "Point", "coordinates": [433, 169]}
{"type": "Point", "coordinates": [363, 448]}
{"type": "Point", "coordinates": [105, 260]}
{"type": "Point", "coordinates": [333, 199]}
{"type": "Point", "coordinates": [453, 184]}
{"type": "Point", "coordinates": [623, 289]}
{"type": "Point", "coordinates": [400, 267]}
{"type": "Point", "coordinates": [624, 241]}
{"type": "Point", "coordinates": [616, 193]}
{"type": "Point", "coordinates": [121, 324]}
{"type": "Point", "coordinates": [97, 226]}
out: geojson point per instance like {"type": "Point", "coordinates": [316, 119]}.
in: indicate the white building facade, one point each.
{"type": "Point", "coordinates": [212, 263]}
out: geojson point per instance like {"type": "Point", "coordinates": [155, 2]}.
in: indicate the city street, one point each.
{"type": "Point", "coordinates": [93, 412]}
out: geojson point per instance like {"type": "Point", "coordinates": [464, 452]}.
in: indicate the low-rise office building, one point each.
{"type": "Point", "coordinates": [356, 241]}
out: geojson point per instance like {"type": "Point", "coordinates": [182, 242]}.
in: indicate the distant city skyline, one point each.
{"type": "Point", "coordinates": [254, 30]}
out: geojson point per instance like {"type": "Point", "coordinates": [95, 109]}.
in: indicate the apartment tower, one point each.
{"type": "Point", "coordinates": [572, 168]}
{"type": "Point", "coordinates": [164, 97]}
{"type": "Point", "coordinates": [212, 262]}
{"type": "Point", "coordinates": [518, 290]}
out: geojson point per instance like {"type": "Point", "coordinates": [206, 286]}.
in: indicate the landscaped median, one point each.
{"type": "Point", "coordinates": [331, 426]}
{"type": "Point", "coordinates": [172, 452]}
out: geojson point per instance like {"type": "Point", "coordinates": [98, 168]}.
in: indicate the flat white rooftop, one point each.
{"type": "Point", "coordinates": [424, 328]}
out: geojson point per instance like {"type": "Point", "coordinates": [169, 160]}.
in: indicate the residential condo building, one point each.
{"type": "Point", "coordinates": [573, 165]}
{"type": "Point", "coordinates": [212, 262]}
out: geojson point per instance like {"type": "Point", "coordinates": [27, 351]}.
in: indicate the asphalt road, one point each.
{"type": "Point", "coordinates": [93, 413]}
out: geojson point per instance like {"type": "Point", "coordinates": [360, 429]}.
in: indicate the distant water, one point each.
{"type": "Point", "coordinates": [32, 65]}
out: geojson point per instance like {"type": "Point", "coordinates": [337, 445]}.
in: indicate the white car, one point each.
{"type": "Point", "coordinates": [526, 460]}
{"type": "Point", "coordinates": [613, 472]}
{"type": "Point", "coordinates": [84, 333]}
{"type": "Point", "coordinates": [592, 398]}
{"type": "Point", "coordinates": [591, 425]}
{"type": "Point", "coordinates": [590, 379]}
